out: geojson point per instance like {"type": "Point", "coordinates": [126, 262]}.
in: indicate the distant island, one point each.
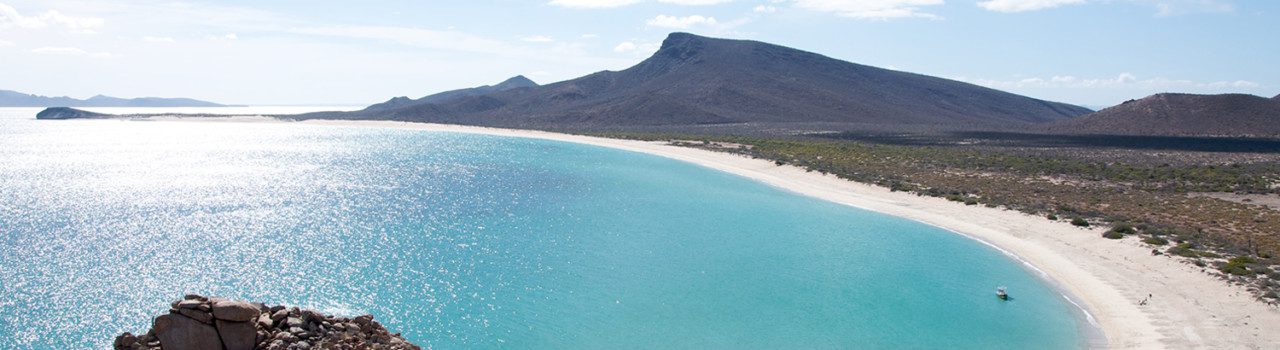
{"type": "Point", "coordinates": [10, 98]}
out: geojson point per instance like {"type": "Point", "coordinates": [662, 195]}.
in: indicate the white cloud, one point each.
{"type": "Point", "coordinates": [4, 43]}
{"type": "Point", "coordinates": [70, 51]}
{"type": "Point", "coordinates": [664, 21]}
{"type": "Point", "coordinates": [1163, 7]}
{"type": "Point", "coordinates": [11, 18]}
{"type": "Point", "coordinates": [65, 51]}
{"type": "Point", "coordinates": [158, 39]}
{"type": "Point", "coordinates": [1122, 80]}
{"type": "Point", "coordinates": [633, 47]}
{"type": "Point", "coordinates": [590, 36]}
{"type": "Point", "coordinates": [592, 4]}
{"type": "Point", "coordinates": [625, 46]}
{"type": "Point", "coordinates": [1025, 5]}
{"type": "Point", "coordinates": [764, 9]}
{"type": "Point", "coordinates": [1178, 7]}
{"type": "Point", "coordinates": [1244, 84]}
{"type": "Point", "coordinates": [537, 39]}
{"type": "Point", "coordinates": [871, 9]}
{"type": "Point", "coordinates": [694, 2]}
{"type": "Point", "coordinates": [224, 37]}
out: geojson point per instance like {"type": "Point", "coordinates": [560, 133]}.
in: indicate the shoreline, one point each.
{"type": "Point", "coordinates": [1105, 278]}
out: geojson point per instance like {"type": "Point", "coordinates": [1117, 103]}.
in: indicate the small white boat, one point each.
{"type": "Point", "coordinates": [1001, 293]}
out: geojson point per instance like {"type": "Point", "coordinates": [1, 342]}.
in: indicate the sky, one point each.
{"type": "Point", "coordinates": [1094, 53]}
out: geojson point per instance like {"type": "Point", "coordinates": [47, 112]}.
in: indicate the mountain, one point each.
{"type": "Point", "coordinates": [516, 82]}
{"type": "Point", "coordinates": [18, 99]}
{"type": "Point", "coordinates": [699, 81]}
{"type": "Point", "coordinates": [1181, 115]}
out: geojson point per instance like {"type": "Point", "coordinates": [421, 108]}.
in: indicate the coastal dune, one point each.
{"type": "Point", "coordinates": [1138, 300]}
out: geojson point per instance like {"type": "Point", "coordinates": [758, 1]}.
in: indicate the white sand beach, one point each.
{"type": "Point", "coordinates": [1187, 308]}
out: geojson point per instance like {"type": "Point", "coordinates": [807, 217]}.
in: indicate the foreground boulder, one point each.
{"type": "Point", "coordinates": [199, 323]}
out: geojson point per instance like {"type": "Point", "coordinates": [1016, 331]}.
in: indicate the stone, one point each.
{"type": "Point", "coordinates": [203, 317]}
{"type": "Point", "coordinates": [125, 341]}
{"type": "Point", "coordinates": [189, 304]}
{"type": "Point", "coordinates": [180, 332]}
{"type": "Point", "coordinates": [279, 315]}
{"type": "Point", "coordinates": [237, 335]}
{"type": "Point", "coordinates": [274, 327]}
{"type": "Point", "coordinates": [235, 311]}
{"type": "Point", "coordinates": [265, 321]}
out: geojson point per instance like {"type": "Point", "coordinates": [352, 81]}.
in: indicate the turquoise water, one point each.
{"type": "Point", "coordinates": [472, 241]}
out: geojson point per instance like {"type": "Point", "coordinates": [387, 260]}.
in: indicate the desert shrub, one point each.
{"type": "Point", "coordinates": [1155, 241]}
{"type": "Point", "coordinates": [1051, 216]}
{"type": "Point", "coordinates": [1238, 266]}
{"type": "Point", "coordinates": [1123, 228]}
{"type": "Point", "coordinates": [1080, 222]}
{"type": "Point", "coordinates": [1183, 250]}
{"type": "Point", "coordinates": [1112, 235]}
{"type": "Point", "coordinates": [1200, 263]}
{"type": "Point", "coordinates": [970, 201]}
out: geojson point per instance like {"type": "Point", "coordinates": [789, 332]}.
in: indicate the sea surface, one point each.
{"type": "Point", "coordinates": [474, 241]}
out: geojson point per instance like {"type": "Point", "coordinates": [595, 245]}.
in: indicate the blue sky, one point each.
{"type": "Point", "coordinates": [1089, 52]}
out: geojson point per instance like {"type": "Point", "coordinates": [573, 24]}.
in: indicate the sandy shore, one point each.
{"type": "Point", "coordinates": [1187, 308]}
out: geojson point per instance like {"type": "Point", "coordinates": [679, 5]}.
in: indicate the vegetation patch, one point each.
{"type": "Point", "coordinates": [1155, 241]}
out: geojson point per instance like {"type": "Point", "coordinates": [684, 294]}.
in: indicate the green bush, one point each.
{"type": "Point", "coordinates": [1080, 222]}
{"type": "Point", "coordinates": [1183, 250]}
{"type": "Point", "coordinates": [1155, 241]}
{"type": "Point", "coordinates": [1112, 235]}
{"type": "Point", "coordinates": [1052, 216]}
{"type": "Point", "coordinates": [1237, 266]}
{"type": "Point", "coordinates": [1123, 228]}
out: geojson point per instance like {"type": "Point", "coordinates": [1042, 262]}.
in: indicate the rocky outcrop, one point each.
{"type": "Point", "coordinates": [200, 323]}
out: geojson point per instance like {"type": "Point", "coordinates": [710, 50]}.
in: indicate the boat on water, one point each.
{"type": "Point", "coordinates": [1002, 293]}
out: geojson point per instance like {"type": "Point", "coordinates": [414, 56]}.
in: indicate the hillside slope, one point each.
{"type": "Point", "coordinates": [694, 80]}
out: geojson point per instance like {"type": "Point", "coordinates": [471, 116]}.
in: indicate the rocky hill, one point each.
{"type": "Point", "coordinates": [695, 80]}
{"type": "Point", "coordinates": [516, 82]}
{"type": "Point", "coordinates": [1180, 115]}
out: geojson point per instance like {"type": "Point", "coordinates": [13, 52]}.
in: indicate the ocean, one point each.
{"type": "Point", "coordinates": [475, 241]}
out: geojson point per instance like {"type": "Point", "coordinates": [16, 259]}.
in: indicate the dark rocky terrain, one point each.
{"type": "Point", "coordinates": [70, 113]}
{"type": "Point", "coordinates": [18, 99]}
{"type": "Point", "coordinates": [699, 81]}
{"type": "Point", "coordinates": [1180, 115]}
{"type": "Point", "coordinates": [200, 323]}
